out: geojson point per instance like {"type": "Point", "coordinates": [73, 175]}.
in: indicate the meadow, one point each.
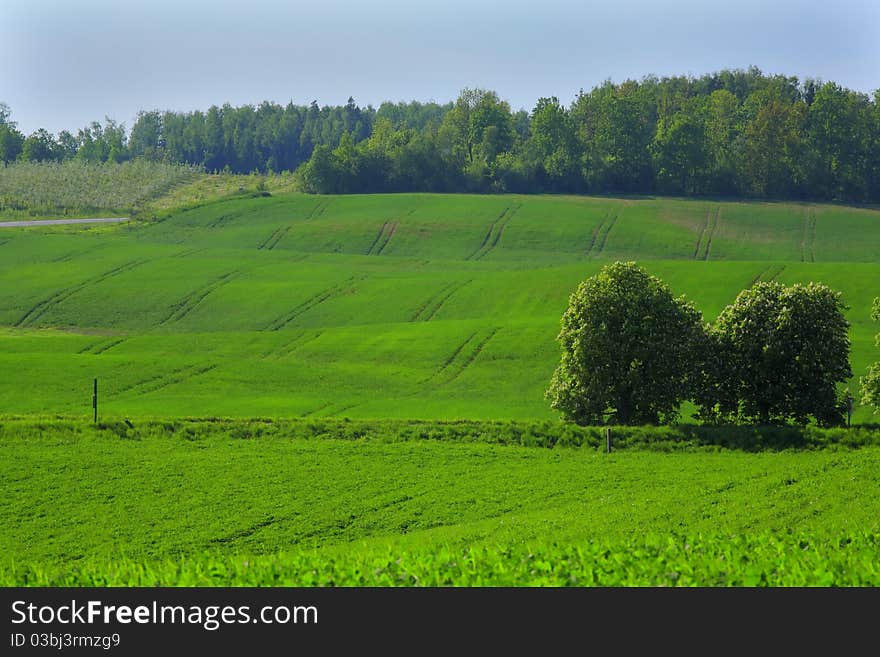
{"type": "Point", "coordinates": [349, 390]}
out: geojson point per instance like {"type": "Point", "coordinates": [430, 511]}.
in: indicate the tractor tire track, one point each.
{"type": "Point", "coordinates": [433, 305]}
{"type": "Point", "coordinates": [67, 257]}
{"type": "Point", "coordinates": [493, 235]}
{"type": "Point", "coordinates": [757, 278]}
{"type": "Point", "coordinates": [222, 219]}
{"type": "Point", "coordinates": [373, 244]}
{"type": "Point", "coordinates": [101, 346]}
{"type": "Point", "coordinates": [191, 301]}
{"type": "Point", "coordinates": [604, 238]}
{"type": "Point", "coordinates": [381, 241]}
{"type": "Point", "coordinates": [108, 346]}
{"type": "Point", "coordinates": [318, 210]}
{"type": "Point", "coordinates": [776, 273]}
{"type": "Point", "coordinates": [188, 252]}
{"type": "Point", "coordinates": [160, 381]}
{"type": "Point", "coordinates": [316, 410]}
{"type": "Point", "coordinates": [501, 226]}
{"type": "Point", "coordinates": [716, 219]}
{"type": "Point", "coordinates": [702, 233]}
{"type": "Point", "coordinates": [41, 307]}
{"type": "Point", "coordinates": [272, 241]}
{"type": "Point", "coordinates": [387, 239]}
{"type": "Point", "coordinates": [315, 300]}
{"type": "Point", "coordinates": [473, 356]}
{"type": "Point", "coordinates": [451, 359]}
{"type": "Point", "coordinates": [595, 234]}
{"type": "Point", "coordinates": [292, 346]}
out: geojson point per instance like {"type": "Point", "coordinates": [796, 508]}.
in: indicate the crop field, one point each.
{"type": "Point", "coordinates": [36, 189]}
{"type": "Point", "coordinates": [408, 306]}
{"type": "Point", "coordinates": [187, 503]}
{"type": "Point", "coordinates": [348, 321]}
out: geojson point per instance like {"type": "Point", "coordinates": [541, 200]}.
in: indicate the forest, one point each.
{"type": "Point", "coordinates": [731, 134]}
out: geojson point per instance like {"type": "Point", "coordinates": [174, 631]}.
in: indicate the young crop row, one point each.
{"type": "Point", "coordinates": [43, 188]}
{"type": "Point", "coordinates": [762, 559]}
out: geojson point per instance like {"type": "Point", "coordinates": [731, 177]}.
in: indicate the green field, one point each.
{"type": "Point", "coordinates": [413, 306]}
{"type": "Point", "coordinates": [200, 503]}
{"type": "Point", "coordinates": [347, 321]}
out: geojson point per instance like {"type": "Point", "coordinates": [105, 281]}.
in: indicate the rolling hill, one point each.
{"type": "Point", "coordinates": [410, 305]}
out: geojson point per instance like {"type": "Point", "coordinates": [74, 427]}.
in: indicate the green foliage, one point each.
{"type": "Point", "coordinates": [871, 381]}
{"type": "Point", "coordinates": [731, 133]}
{"type": "Point", "coordinates": [40, 147]}
{"type": "Point", "coordinates": [779, 354]}
{"type": "Point", "coordinates": [627, 348]}
{"type": "Point", "coordinates": [79, 499]}
{"type": "Point", "coordinates": [749, 559]}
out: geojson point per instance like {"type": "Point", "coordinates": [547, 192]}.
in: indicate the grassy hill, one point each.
{"type": "Point", "coordinates": [419, 306]}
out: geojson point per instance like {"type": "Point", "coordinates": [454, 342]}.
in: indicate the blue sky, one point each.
{"type": "Point", "coordinates": [65, 64]}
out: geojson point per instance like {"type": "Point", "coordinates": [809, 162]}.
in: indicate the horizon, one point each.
{"type": "Point", "coordinates": [58, 76]}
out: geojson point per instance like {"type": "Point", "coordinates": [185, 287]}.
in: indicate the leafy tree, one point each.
{"type": "Point", "coordinates": [871, 381]}
{"type": "Point", "coordinates": [146, 135]}
{"type": "Point", "coordinates": [627, 348]}
{"type": "Point", "coordinates": [722, 134]}
{"type": "Point", "coordinates": [39, 147]}
{"type": "Point", "coordinates": [680, 149]}
{"type": "Point", "coordinates": [66, 145]}
{"type": "Point", "coordinates": [319, 175]}
{"type": "Point", "coordinates": [616, 126]}
{"type": "Point", "coordinates": [554, 144]}
{"type": "Point", "coordinates": [771, 146]}
{"type": "Point", "coordinates": [474, 132]}
{"type": "Point", "coordinates": [779, 354]}
{"type": "Point", "coordinates": [11, 140]}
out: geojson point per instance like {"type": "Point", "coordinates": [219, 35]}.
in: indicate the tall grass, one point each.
{"type": "Point", "coordinates": [71, 188]}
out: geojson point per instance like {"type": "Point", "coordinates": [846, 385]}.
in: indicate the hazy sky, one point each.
{"type": "Point", "coordinates": [64, 64]}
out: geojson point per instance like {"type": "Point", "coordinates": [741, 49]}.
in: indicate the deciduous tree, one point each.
{"type": "Point", "coordinates": [779, 354]}
{"type": "Point", "coordinates": [627, 350]}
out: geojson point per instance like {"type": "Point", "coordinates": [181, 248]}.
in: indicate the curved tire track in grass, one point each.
{"type": "Point", "coordinates": [155, 383]}
{"type": "Point", "coordinates": [604, 237]}
{"type": "Point", "coordinates": [315, 300]}
{"type": "Point", "coordinates": [272, 241]}
{"type": "Point", "coordinates": [449, 371]}
{"type": "Point", "coordinates": [428, 310]}
{"type": "Point", "coordinates": [716, 219]}
{"type": "Point", "coordinates": [493, 235]}
{"type": "Point", "coordinates": [191, 301]}
{"type": "Point", "coordinates": [703, 227]}
{"type": "Point", "coordinates": [381, 241]}
{"type": "Point", "coordinates": [42, 307]}
{"type": "Point", "coordinates": [99, 347]}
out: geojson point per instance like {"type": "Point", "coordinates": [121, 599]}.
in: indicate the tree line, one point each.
{"type": "Point", "coordinates": [734, 133]}
{"type": "Point", "coordinates": [632, 353]}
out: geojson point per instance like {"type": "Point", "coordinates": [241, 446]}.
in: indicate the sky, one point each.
{"type": "Point", "coordinates": [66, 63]}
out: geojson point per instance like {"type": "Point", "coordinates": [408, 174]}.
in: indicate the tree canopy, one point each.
{"type": "Point", "coordinates": [735, 133]}
{"type": "Point", "coordinates": [627, 350]}
{"type": "Point", "coordinates": [777, 355]}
